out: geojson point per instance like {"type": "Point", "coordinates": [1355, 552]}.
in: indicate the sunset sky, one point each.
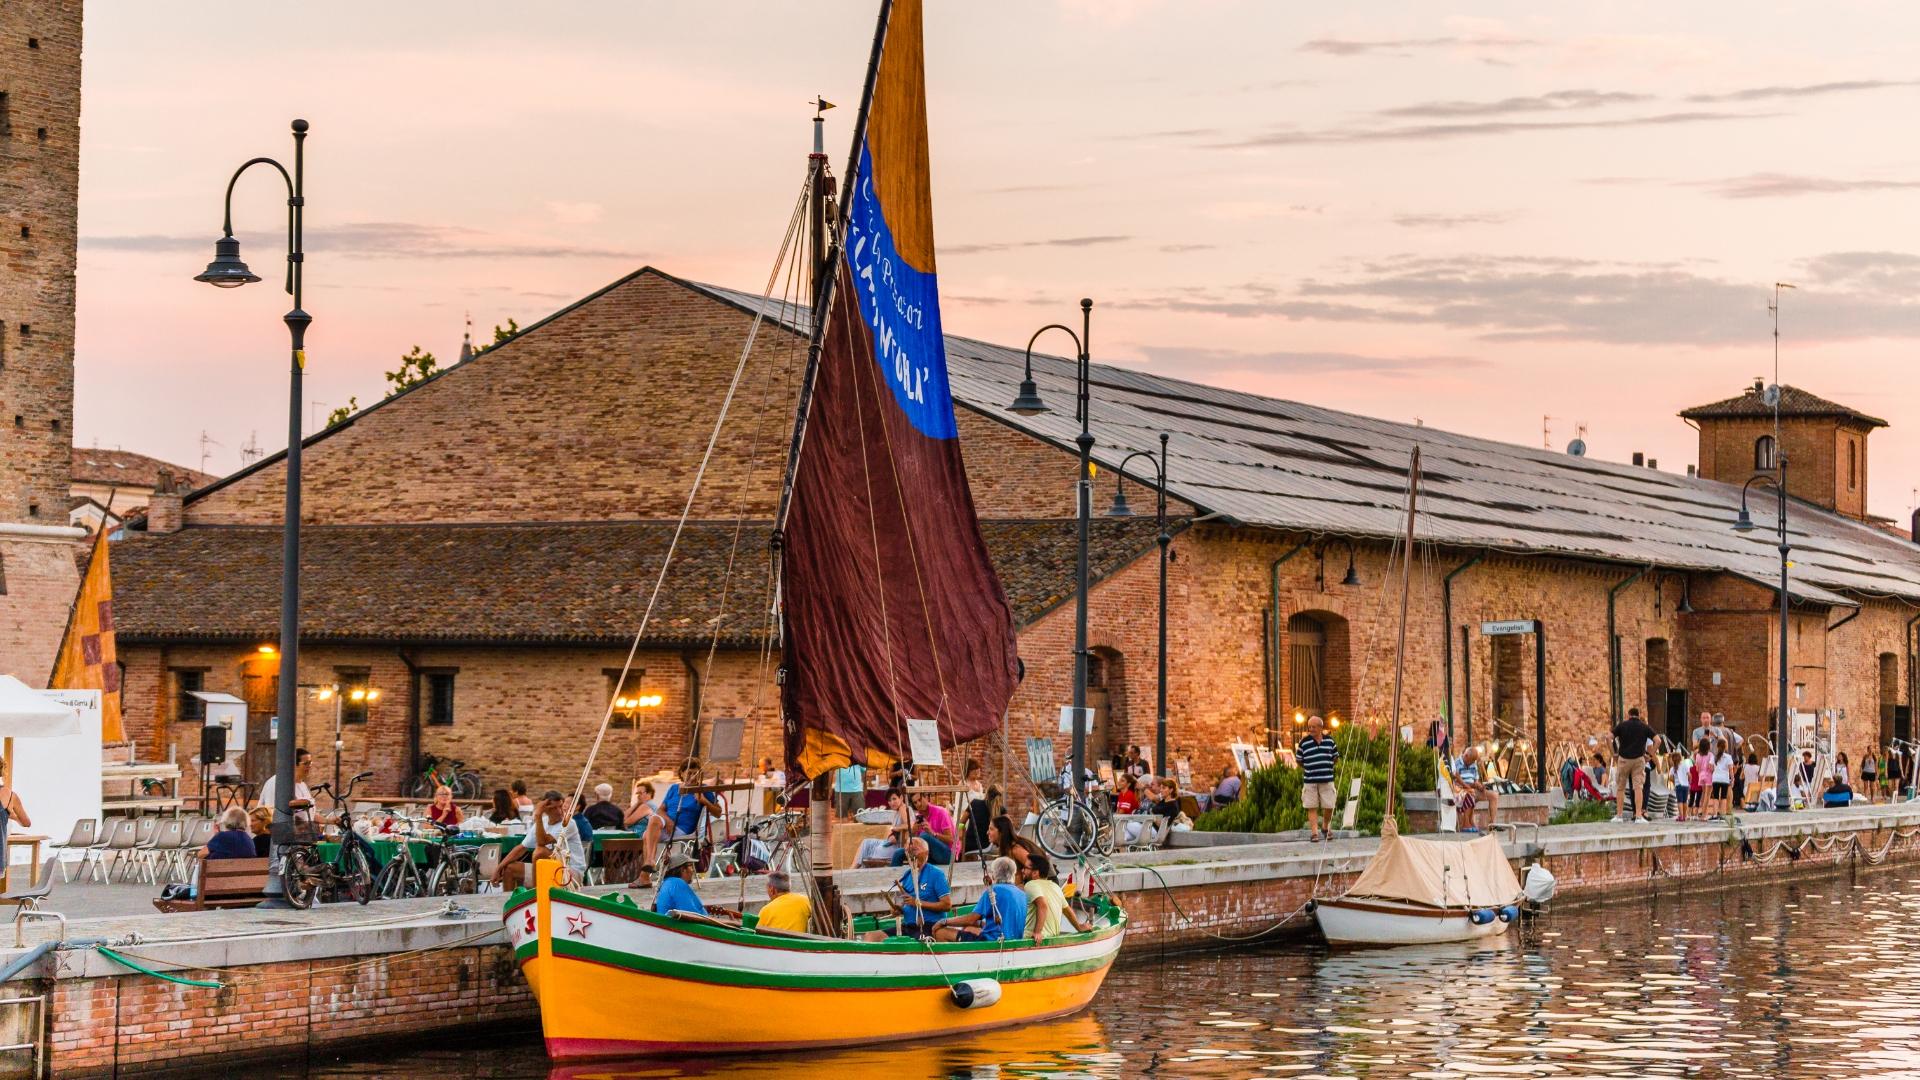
{"type": "Point", "coordinates": [1476, 219]}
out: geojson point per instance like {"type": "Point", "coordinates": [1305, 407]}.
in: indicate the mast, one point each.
{"type": "Point", "coordinates": [1388, 825]}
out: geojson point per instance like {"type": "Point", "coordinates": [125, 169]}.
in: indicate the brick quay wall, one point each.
{"type": "Point", "coordinates": [347, 976]}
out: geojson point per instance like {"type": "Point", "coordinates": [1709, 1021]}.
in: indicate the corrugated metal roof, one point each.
{"type": "Point", "coordinates": [1289, 465]}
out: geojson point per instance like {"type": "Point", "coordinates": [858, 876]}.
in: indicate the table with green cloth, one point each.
{"type": "Point", "coordinates": [386, 848]}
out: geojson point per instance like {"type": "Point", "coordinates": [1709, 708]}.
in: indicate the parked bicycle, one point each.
{"type": "Point", "coordinates": [1072, 828]}
{"type": "Point", "coordinates": [448, 870]}
{"type": "Point", "coordinates": [434, 771]}
{"type": "Point", "coordinates": [309, 879]}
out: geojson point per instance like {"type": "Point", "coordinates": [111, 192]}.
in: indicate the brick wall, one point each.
{"type": "Point", "coordinates": [38, 581]}
{"type": "Point", "coordinates": [39, 208]}
{"type": "Point", "coordinates": [1817, 451]}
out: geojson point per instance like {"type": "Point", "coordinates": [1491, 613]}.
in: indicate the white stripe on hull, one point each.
{"type": "Point", "coordinates": [1396, 924]}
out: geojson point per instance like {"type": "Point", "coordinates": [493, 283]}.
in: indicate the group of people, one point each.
{"type": "Point", "coordinates": [1018, 899]}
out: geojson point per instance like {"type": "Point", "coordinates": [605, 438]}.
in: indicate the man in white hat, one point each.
{"type": "Point", "coordinates": [676, 887]}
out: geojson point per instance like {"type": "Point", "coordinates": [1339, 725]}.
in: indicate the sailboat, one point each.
{"type": "Point", "coordinates": [894, 628]}
{"type": "Point", "coordinates": [1417, 891]}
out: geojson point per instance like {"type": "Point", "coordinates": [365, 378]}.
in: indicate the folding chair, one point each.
{"type": "Point", "coordinates": [489, 862]}
{"type": "Point", "coordinates": [29, 899]}
{"type": "Point", "coordinates": [122, 840]}
{"type": "Point", "coordinates": [86, 833]}
{"type": "Point", "coordinates": [163, 850]}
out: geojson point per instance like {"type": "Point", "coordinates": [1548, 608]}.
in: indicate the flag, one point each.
{"type": "Point", "coordinates": [892, 610]}
{"type": "Point", "coordinates": [87, 658]}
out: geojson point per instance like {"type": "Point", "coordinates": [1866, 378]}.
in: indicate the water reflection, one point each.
{"type": "Point", "coordinates": [1797, 979]}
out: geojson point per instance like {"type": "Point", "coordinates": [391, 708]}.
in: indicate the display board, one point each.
{"type": "Point", "coordinates": [58, 779]}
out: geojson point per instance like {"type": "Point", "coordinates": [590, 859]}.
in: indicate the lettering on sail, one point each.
{"type": "Point", "coordinates": [897, 318]}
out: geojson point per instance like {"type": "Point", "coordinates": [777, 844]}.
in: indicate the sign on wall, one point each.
{"type": "Point", "coordinates": [1509, 626]}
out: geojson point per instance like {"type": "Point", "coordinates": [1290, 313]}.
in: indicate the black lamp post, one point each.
{"type": "Point", "coordinates": [1120, 509]}
{"type": "Point", "coordinates": [226, 271]}
{"type": "Point", "coordinates": [1028, 403]}
{"type": "Point", "coordinates": [1744, 524]}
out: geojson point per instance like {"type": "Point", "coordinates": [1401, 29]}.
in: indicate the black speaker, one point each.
{"type": "Point", "coordinates": [213, 744]}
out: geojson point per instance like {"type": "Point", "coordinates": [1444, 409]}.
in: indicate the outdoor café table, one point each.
{"type": "Point", "coordinates": [508, 843]}
{"type": "Point", "coordinates": [384, 849]}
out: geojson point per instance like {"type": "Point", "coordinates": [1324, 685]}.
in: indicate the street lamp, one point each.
{"type": "Point", "coordinates": [1119, 509]}
{"type": "Point", "coordinates": [227, 271]}
{"type": "Point", "coordinates": [1028, 403]}
{"type": "Point", "coordinates": [1744, 524]}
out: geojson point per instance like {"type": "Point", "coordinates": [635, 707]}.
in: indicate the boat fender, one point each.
{"type": "Point", "coordinates": [1509, 913]}
{"type": "Point", "coordinates": [976, 993]}
{"type": "Point", "coordinates": [1481, 916]}
{"type": "Point", "coordinates": [1313, 906]}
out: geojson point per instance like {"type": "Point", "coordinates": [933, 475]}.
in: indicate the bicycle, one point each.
{"type": "Point", "coordinates": [1073, 828]}
{"type": "Point", "coordinates": [434, 771]}
{"type": "Point", "coordinates": [450, 869]}
{"type": "Point", "coordinates": [308, 878]}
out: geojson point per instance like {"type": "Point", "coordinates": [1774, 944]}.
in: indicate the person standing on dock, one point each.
{"type": "Point", "coordinates": [1317, 755]}
{"type": "Point", "coordinates": [1630, 739]}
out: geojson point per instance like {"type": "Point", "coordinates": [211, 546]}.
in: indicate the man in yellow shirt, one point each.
{"type": "Point", "coordinates": [1046, 903]}
{"type": "Point", "coordinates": [789, 911]}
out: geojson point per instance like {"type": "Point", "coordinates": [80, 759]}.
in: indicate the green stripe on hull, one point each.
{"type": "Point", "coordinates": [652, 965]}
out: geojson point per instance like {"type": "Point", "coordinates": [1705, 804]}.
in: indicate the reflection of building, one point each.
{"type": "Point", "coordinates": [39, 189]}
{"type": "Point", "coordinates": [479, 548]}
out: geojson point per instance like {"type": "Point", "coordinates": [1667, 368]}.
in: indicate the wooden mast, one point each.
{"type": "Point", "coordinates": [1388, 825]}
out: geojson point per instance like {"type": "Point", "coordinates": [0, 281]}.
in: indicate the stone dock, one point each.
{"type": "Point", "coordinates": [291, 982]}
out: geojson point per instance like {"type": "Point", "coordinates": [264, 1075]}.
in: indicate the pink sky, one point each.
{"type": "Point", "coordinates": [1476, 219]}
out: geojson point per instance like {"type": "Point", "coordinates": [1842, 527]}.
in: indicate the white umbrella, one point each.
{"type": "Point", "coordinates": [26, 713]}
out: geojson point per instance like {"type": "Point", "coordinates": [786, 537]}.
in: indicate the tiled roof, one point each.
{"type": "Point", "coordinates": [575, 583]}
{"type": "Point", "coordinates": [1264, 461]}
{"type": "Point", "coordinates": [92, 465]}
{"type": "Point", "coordinates": [1793, 402]}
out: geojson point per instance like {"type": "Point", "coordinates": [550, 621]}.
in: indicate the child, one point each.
{"type": "Point", "coordinates": [1681, 767]}
{"type": "Point", "coordinates": [1660, 786]}
{"type": "Point", "coordinates": [1722, 780]}
{"type": "Point", "coordinates": [1702, 779]}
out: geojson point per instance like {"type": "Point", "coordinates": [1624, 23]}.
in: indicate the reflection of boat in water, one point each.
{"type": "Point", "coordinates": [1071, 1046]}
{"type": "Point", "coordinates": [1420, 891]}
{"type": "Point", "coordinates": [615, 980]}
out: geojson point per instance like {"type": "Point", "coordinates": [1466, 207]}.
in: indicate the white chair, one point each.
{"type": "Point", "coordinates": [164, 850]}
{"type": "Point", "coordinates": [86, 833]}
{"type": "Point", "coordinates": [489, 863]}
{"type": "Point", "coordinates": [123, 839]}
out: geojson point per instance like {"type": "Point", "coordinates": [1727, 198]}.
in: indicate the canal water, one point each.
{"type": "Point", "coordinates": [1818, 976]}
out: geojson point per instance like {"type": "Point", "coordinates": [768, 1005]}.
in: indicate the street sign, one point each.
{"type": "Point", "coordinates": [1510, 626]}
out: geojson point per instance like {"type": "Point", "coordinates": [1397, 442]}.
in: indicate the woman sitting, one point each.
{"type": "Point", "coordinates": [443, 812]}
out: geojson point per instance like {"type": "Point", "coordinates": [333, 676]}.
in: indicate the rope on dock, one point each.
{"type": "Point", "coordinates": [126, 958]}
{"type": "Point", "coordinates": [1851, 841]}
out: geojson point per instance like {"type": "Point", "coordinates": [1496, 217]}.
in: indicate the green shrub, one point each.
{"type": "Point", "coordinates": [1580, 811]}
{"type": "Point", "coordinates": [1270, 797]}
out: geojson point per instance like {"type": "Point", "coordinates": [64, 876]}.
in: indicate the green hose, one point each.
{"type": "Point", "coordinates": [119, 959]}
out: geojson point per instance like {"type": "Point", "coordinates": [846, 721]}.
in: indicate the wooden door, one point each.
{"type": "Point", "coordinates": [260, 689]}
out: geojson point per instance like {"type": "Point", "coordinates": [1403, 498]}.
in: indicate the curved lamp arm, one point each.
{"type": "Point", "coordinates": [1077, 348]}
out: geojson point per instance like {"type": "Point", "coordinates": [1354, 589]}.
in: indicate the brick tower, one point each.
{"type": "Point", "coordinates": [1825, 443]}
{"type": "Point", "coordinates": [39, 214]}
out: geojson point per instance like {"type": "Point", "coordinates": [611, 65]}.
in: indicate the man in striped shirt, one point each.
{"type": "Point", "coordinates": [1316, 755]}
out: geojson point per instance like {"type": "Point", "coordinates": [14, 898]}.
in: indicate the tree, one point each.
{"type": "Point", "coordinates": [500, 334]}
{"type": "Point", "coordinates": [416, 366]}
{"type": "Point", "coordinates": [344, 411]}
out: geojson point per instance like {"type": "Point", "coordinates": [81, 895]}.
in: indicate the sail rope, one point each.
{"type": "Point", "coordinates": [686, 511]}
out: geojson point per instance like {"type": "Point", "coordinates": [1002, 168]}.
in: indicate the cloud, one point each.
{"type": "Point", "coordinates": [1408, 46]}
{"type": "Point", "coordinates": [1479, 129]}
{"type": "Point", "coordinates": [1844, 296]}
{"type": "Point", "coordinates": [1012, 245]}
{"type": "Point", "coordinates": [1448, 221]}
{"type": "Point", "coordinates": [1297, 363]}
{"type": "Point", "coordinates": [1555, 101]}
{"type": "Point", "coordinates": [1787, 185]}
{"type": "Point", "coordinates": [1771, 93]}
{"type": "Point", "coordinates": [1178, 249]}
{"type": "Point", "coordinates": [372, 240]}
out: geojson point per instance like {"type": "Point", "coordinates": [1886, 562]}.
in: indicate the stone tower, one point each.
{"type": "Point", "coordinates": [39, 215]}
{"type": "Point", "coordinates": [1825, 444]}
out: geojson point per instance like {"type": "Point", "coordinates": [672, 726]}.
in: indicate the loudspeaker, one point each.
{"type": "Point", "coordinates": [213, 744]}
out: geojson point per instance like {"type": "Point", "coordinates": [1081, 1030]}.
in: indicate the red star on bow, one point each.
{"type": "Point", "coordinates": [577, 925]}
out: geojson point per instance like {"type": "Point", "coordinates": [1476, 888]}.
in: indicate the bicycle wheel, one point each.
{"type": "Point", "coordinates": [1066, 829]}
{"type": "Point", "coordinates": [357, 878]}
{"type": "Point", "coordinates": [300, 876]}
{"type": "Point", "coordinates": [420, 787]}
{"type": "Point", "coordinates": [457, 875]}
{"type": "Point", "coordinates": [468, 785]}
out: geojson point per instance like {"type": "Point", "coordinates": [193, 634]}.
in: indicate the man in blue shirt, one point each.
{"type": "Point", "coordinates": [1469, 790]}
{"type": "Point", "coordinates": [921, 889]}
{"type": "Point", "coordinates": [676, 888]}
{"type": "Point", "coordinates": [999, 914]}
{"type": "Point", "coordinates": [683, 809]}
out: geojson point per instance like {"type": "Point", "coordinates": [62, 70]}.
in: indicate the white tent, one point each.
{"type": "Point", "coordinates": [26, 713]}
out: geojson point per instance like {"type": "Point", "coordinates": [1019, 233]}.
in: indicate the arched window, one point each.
{"type": "Point", "coordinates": [1763, 454]}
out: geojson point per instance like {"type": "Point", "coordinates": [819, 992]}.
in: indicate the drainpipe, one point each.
{"type": "Point", "coordinates": [1913, 672]}
{"type": "Point", "coordinates": [1273, 636]}
{"type": "Point", "coordinates": [693, 707]}
{"type": "Point", "coordinates": [1617, 685]}
{"type": "Point", "coordinates": [1446, 633]}
{"type": "Point", "coordinates": [413, 713]}
{"type": "Point", "coordinates": [1855, 614]}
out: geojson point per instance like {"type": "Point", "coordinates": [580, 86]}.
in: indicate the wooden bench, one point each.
{"type": "Point", "coordinates": [222, 883]}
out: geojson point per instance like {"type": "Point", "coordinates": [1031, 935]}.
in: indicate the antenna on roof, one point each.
{"type": "Point", "coordinates": [1578, 447]}
{"type": "Point", "coordinates": [1546, 432]}
{"type": "Point", "coordinates": [250, 451]}
{"type": "Point", "coordinates": [1773, 392]}
{"type": "Point", "coordinates": [206, 441]}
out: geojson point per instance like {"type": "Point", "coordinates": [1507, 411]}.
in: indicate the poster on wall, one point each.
{"type": "Point", "coordinates": [58, 780]}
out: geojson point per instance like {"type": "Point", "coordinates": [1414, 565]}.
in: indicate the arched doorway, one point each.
{"type": "Point", "coordinates": [1106, 696]}
{"type": "Point", "coordinates": [1895, 720]}
{"type": "Point", "coordinates": [1319, 672]}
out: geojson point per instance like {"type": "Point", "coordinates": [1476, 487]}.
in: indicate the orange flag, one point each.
{"type": "Point", "coordinates": [87, 659]}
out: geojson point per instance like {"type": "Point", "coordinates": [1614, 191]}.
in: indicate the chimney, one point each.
{"type": "Point", "coordinates": [1693, 470]}
{"type": "Point", "coordinates": [1639, 458]}
{"type": "Point", "coordinates": [165, 507]}
{"type": "Point", "coordinates": [1759, 385]}
{"type": "Point", "coordinates": [1916, 526]}
{"type": "Point", "coordinates": [1653, 463]}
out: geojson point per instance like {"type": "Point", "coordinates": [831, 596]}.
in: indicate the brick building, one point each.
{"type": "Point", "coordinates": [39, 200]}
{"type": "Point", "coordinates": [480, 548]}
